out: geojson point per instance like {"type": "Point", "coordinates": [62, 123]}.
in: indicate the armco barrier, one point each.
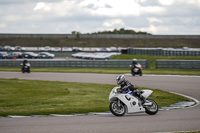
{"type": "Point", "coordinates": [71, 63]}
{"type": "Point", "coordinates": [178, 64]}
{"type": "Point", "coordinates": [163, 52]}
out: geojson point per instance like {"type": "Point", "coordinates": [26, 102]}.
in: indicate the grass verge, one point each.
{"type": "Point", "coordinates": [105, 70]}
{"type": "Point", "coordinates": [33, 97]}
{"type": "Point", "coordinates": [153, 58]}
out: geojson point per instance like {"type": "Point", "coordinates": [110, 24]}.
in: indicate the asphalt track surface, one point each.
{"type": "Point", "coordinates": [165, 121]}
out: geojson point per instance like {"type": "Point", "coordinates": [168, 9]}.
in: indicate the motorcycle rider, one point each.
{"type": "Point", "coordinates": [24, 63]}
{"type": "Point", "coordinates": [134, 63]}
{"type": "Point", "coordinates": [126, 85]}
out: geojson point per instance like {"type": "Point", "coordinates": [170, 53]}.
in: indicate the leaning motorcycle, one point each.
{"type": "Point", "coordinates": [136, 70]}
{"type": "Point", "coordinates": [26, 68]}
{"type": "Point", "coordinates": [121, 103]}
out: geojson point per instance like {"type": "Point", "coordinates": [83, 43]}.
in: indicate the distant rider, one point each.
{"type": "Point", "coordinates": [134, 63]}
{"type": "Point", "coordinates": [126, 85]}
{"type": "Point", "coordinates": [24, 63]}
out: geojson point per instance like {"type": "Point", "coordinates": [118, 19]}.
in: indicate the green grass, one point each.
{"type": "Point", "coordinates": [153, 58]}
{"type": "Point", "coordinates": [69, 70]}
{"type": "Point", "coordinates": [33, 97]}
{"type": "Point", "coordinates": [171, 72]}
{"type": "Point", "coordinates": [101, 42]}
{"type": "Point", "coordinates": [104, 70]}
{"type": "Point", "coordinates": [152, 69]}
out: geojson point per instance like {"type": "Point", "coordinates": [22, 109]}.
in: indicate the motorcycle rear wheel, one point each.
{"type": "Point", "coordinates": [133, 74]}
{"type": "Point", "coordinates": [151, 109]}
{"type": "Point", "coordinates": [117, 110]}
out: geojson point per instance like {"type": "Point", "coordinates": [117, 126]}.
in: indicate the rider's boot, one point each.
{"type": "Point", "coordinates": [143, 99]}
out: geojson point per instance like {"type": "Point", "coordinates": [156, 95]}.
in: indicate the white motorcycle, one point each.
{"type": "Point", "coordinates": [26, 68]}
{"type": "Point", "coordinates": [121, 103]}
{"type": "Point", "coordinates": [136, 70]}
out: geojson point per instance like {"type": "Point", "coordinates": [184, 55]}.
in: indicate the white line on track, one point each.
{"type": "Point", "coordinates": [195, 100]}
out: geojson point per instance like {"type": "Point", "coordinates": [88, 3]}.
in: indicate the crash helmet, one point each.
{"type": "Point", "coordinates": [134, 61]}
{"type": "Point", "coordinates": [120, 79]}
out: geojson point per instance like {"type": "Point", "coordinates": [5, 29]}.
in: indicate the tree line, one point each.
{"type": "Point", "coordinates": [116, 31]}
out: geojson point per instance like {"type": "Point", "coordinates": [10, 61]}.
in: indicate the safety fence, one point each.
{"type": "Point", "coordinates": [166, 64]}
{"type": "Point", "coordinates": [164, 52]}
{"type": "Point", "coordinates": [76, 64]}
{"type": "Point", "coordinates": [178, 64]}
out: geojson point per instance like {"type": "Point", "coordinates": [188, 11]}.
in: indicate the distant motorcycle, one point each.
{"type": "Point", "coordinates": [121, 103]}
{"type": "Point", "coordinates": [136, 70]}
{"type": "Point", "coordinates": [26, 68]}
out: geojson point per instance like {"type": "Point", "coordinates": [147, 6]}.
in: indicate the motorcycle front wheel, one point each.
{"type": "Point", "coordinates": [117, 110]}
{"type": "Point", "coordinates": [151, 109]}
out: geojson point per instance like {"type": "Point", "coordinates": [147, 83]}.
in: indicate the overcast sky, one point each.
{"type": "Point", "coordinates": [87, 16]}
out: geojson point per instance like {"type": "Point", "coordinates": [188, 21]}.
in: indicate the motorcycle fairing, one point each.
{"type": "Point", "coordinates": [133, 104]}
{"type": "Point", "coordinates": [146, 93]}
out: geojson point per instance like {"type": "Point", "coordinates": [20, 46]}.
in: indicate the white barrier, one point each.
{"type": "Point", "coordinates": [94, 56]}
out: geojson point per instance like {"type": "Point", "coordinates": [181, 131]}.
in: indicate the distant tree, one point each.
{"type": "Point", "coordinates": [115, 31]}
{"type": "Point", "coordinates": [73, 32]}
{"type": "Point", "coordinates": [121, 31]}
{"type": "Point", "coordinates": [78, 34]}
{"type": "Point", "coordinates": [140, 32]}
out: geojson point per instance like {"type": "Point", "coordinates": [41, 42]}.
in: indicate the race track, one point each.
{"type": "Point", "coordinates": [165, 121]}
